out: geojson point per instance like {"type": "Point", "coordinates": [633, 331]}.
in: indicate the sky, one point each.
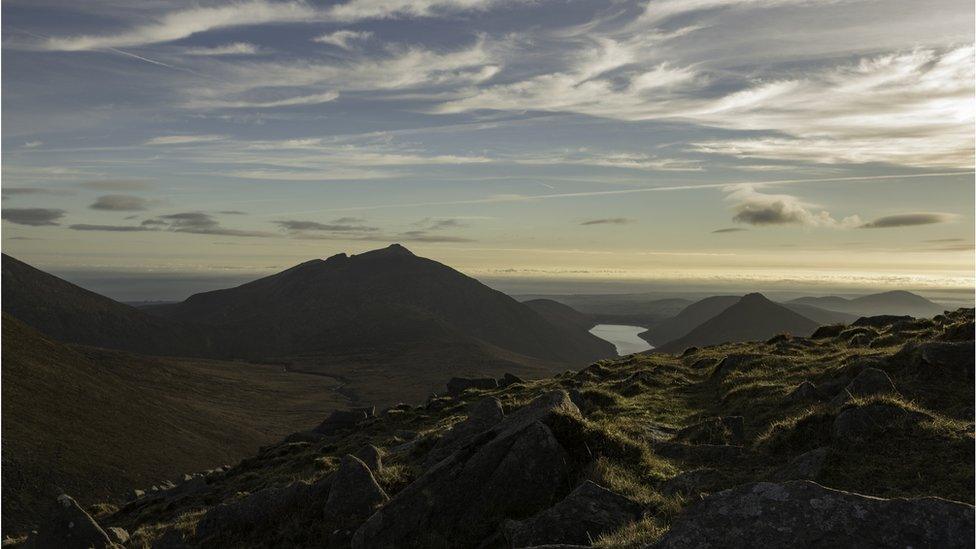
{"type": "Point", "coordinates": [823, 142]}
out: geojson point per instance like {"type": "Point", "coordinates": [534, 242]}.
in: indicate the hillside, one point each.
{"type": "Point", "coordinates": [98, 423]}
{"type": "Point", "coordinates": [751, 318]}
{"type": "Point", "coordinates": [560, 314]}
{"type": "Point", "coordinates": [688, 319]}
{"type": "Point", "coordinates": [383, 299]}
{"type": "Point", "coordinates": [795, 442]}
{"type": "Point", "coordinates": [72, 314]}
{"type": "Point", "coordinates": [896, 302]}
{"type": "Point", "coordinates": [819, 315]}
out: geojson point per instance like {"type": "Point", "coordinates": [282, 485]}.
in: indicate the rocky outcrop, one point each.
{"type": "Point", "coordinates": [262, 509]}
{"type": "Point", "coordinates": [68, 526]}
{"type": "Point", "coordinates": [934, 359]}
{"type": "Point", "coordinates": [458, 385]}
{"type": "Point", "coordinates": [880, 321]}
{"type": "Point", "coordinates": [870, 382]}
{"type": "Point", "coordinates": [694, 482]}
{"type": "Point", "coordinates": [806, 466]}
{"type": "Point", "coordinates": [340, 420]}
{"type": "Point", "coordinates": [871, 420]}
{"type": "Point", "coordinates": [515, 470]}
{"type": "Point", "coordinates": [482, 416]}
{"type": "Point", "coordinates": [372, 457]}
{"type": "Point", "coordinates": [805, 514]}
{"type": "Point", "coordinates": [354, 492]}
{"type": "Point", "coordinates": [585, 514]}
{"type": "Point", "coordinates": [509, 379]}
{"type": "Point", "coordinates": [805, 392]}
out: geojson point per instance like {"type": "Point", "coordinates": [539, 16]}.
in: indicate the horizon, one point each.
{"type": "Point", "coordinates": [544, 144]}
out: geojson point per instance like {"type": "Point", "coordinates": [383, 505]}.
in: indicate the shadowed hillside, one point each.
{"type": "Point", "coordinates": [688, 319]}
{"type": "Point", "coordinates": [823, 441]}
{"type": "Point", "coordinates": [751, 318]}
{"type": "Point", "coordinates": [896, 302]}
{"type": "Point", "coordinates": [560, 314]}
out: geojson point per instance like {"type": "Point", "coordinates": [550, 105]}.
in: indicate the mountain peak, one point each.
{"type": "Point", "coordinates": [393, 250]}
{"type": "Point", "coordinates": [755, 298]}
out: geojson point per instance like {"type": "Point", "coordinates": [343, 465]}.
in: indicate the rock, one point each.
{"type": "Point", "coordinates": [734, 362]}
{"type": "Point", "coordinates": [706, 452]}
{"type": "Point", "coordinates": [583, 516]}
{"type": "Point", "coordinates": [118, 535]}
{"type": "Point", "coordinates": [172, 538]}
{"type": "Point", "coordinates": [864, 422]}
{"type": "Point", "coordinates": [518, 468]}
{"type": "Point", "coordinates": [870, 382]}
{"type": "Point", "coordinates": [694, 482]}
{"type": "Point", "coordinates": [304, 436]}
{"type": "Point", "coordinates": [458, 385]}
{"type": "Point", "coordinates": [689, 351]}
{"type": "Point", "coordinates": [825, 332]}
{"type": "Point", "coordinates": [136, 494]}
{"type": "Point", "coordinates": [959, 331]}
{"type": "Point", "coordinates": [715, 430]}
{"type": "Point", "coordinates": [805, 514]}
{"type": "Point", "coordinates": [806, 466]}
{"type": "Point", "coordinates": [482, 416]}
{"type": "Point", "coordinates": [406, 434]}
{"type": "Point", "coordinates": [509, 379]}
{"type": "Point", "coordinates": [340, 420]}
{"type": "Point", "coordinates": [860, 340]}
{"type": "Point", "coordinates": [703, 363]}
{"type": "Point", "coordinates": [880, 321]}
{"type": "Point", "coordinates": [371, 456]}
{"type": "Point", "coordinates": [355, 492]}
{"type": "Point", "coordinates": [68, 526]}
{"type": "Point", "coordinates": [779, 338]}
{"type": "Point", "coordinates": [262, 509]}
{"type": "Point", "coordinates": [938, 359]}
{"type": "Point", "coordinates": [805, 392]}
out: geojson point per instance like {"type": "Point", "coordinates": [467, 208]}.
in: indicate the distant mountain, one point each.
{"type": "Point", "coordinates": [73, 314]}
{"type": "Point", "coordinates": [98, 423]}
{"type": "Point", "coordinates": [896, 302]}
{"type": "Point", "coordinates": [634, 305]}
{"type": "Point", "coordinates": [751, 318]}
{"type": "Point", "coordinates": [383, 299]}
{"type": "Point", "coordinates": [688, 319]}
{"type": "Point", "coordinates": [560, 314]}
{"type": "Point", "coordinates": [819, 315]}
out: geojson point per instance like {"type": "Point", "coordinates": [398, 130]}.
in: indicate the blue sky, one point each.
{"type": "Point", "coordinates": [816, 140]}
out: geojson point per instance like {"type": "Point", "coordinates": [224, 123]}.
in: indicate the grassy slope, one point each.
{"type": "Point", "coordinates": [98, 423]}
{"type": "Point", "coordinates": [633, 403]}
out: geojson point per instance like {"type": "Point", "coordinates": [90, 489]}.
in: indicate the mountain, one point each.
{"type": "Point", "coordinates": [73, 314]}
{"type": "Point", "coordinates": [770, 444]}
{"type": "Point", "coordinates": [560, 314]}
{"type": "Point", "coordinates": [751, 318]}
{"type": "Point", "coordinates": [820, 316]}
{"type": "Point", "coordinates": [690, 317]}
{"type": "Point", "coordinates": [377, 300]}
{"type": "Point", "coordinates": [98, 423]}
{"type": "Point", "coordinates": [896, 302]}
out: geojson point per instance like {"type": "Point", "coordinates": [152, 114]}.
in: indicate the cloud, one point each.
{"type": "Point", "coordinates": [235, 48]}
{"type": "Point", "coordinates": [344, 38]}
{"type": "Point", "coordinates": [116, 185]}
{"type": "Point", "coordinates": [17, 191]}
{"type": "Point", "coordinates": [36, 217]}
{"type": "Point", "coordinates": [440, 223]}
{"type": "Point", "coordinates": [32, 144]}
{"type": "Point", "coordinates": [201, 223]}
{"type": "Point", "coordinates": [756, 208]}
{"type": "Point", "coordinates": [110, 228]}
{"type": "Point", "coordinates": [608, 221]}
{"type": "Point", "coordinates": [729, 230]}
{"type": "Point", "coordinates": [357, 10]}
{"type": "Point", "coordinates": [183, 139]}
{"type": "Point", "coordinates": [120, 203]}
{"type": "Point", "coordinates": [422, 236]}
{"type": "Point", "coordinates": [232, 212]}
{"type": "Point", "coordinates": [183, 23]}
{"type": "Point", "coordinates": [313, 99]}
{"type": "Point", "coordinates": [336, 226]}
{"type": "Point", "coordinates": [909, 220]}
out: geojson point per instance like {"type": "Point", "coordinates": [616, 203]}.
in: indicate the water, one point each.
{"type": "Point", "coordinates": [624, 338]}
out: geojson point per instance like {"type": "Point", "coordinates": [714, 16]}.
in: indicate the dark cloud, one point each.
{"type": "Point", "coordinates": [349, 220]}
{"type": "Point", "coordinates": [17, 191]}
{"type": "Point", "coordinates": [111, 228]}
{"type": "Point", "coordinates": [908, 220]}
{"type": "Point", "coordinates": [120, 203]}
{"type": "Point", "coordinates": [938, 240]}
{"type": "Point", "coordinates": [729, 230]}
{"type": "Point", "coordinates": [32, 216]}
{"type": "Point", "coordinates": [293, 225]}
{"type": "Point", "coordinates": [423, 236]}
{"type": "Point", "coordinates": [116, 185]}
{"type": "Point", "coordinates": [201, 223]}
{"type": "Point", "coordinates": [233, 212]}
{"type": "Point", "coordinates": [438, 223]}
{"type": "Point", "coordinates": [608, 221]}
{"type": "Point", "coordinates": [154, 223]}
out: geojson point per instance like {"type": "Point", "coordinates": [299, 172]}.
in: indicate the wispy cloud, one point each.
{"type": "Point", "coordinates": [18, 191]}
{"type": "Point", "coordinates": [120, 203]}
{"type": "Point", "coordinates": [313, 99]}
{"type": "Point", "coordinates": [32, 144]}
{"type": "Point", "coordinates": [338, 225]}
{"type": "Point", "coordinates": [344, 39]}
{"type": "Point", "coordinates": [909, 220]}
{"type": "Point", "coordinates": [36, 217]}
{"type": "Point", "coordinates": [183, 139]}
{"type": "Point", "coordinates": [235, 48]}
{"type": "Point", "coordinates": [729, 230]}
{"type": "Point", "coordinates": [116, 185]}
{"type": "Point", "coordinates": [111, 228]}
{"type": "Point", "coordinates": [608, 221]}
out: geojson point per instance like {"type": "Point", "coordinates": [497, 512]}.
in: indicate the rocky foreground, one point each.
{"type": "Point", "coordinates": [859, 436]}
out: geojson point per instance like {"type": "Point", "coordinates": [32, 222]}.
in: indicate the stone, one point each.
{"type": "Point", "coordinates": [118, 535]}
{"type": "Point", "coordinates": [262, 509]}
{"type": "Point", "coordinates": [734, 362]}
{"type": "Point", "coordinates": [689, 351]}
{"type": "Point", "coordinates": [706, 452]}
{"type": "Point", "coordinates": [825, 332]}
{"type": "Point", "coordinates": [516, 469]}
{"type": "Point", "coordinates": [870, 382]}
{"type": "Point", "coordinates": [715, 430]}
{"type": "Point", "coordinates": [694, 482]}
{"type": "Point", "coordinates": [938, 359]}
{"type": "Point", "coordinates": [865, 422]}
{"type": "Point", "coordinates": [340, 420]}
{"type": "Point", "coordinates": [354, 492]}
{"type": "Point", "coordinates": [482, 416]}
{"type": "Point", "coordinates": [806, 466]}
{"type": "Point", "coordinates": [584, 515]}
{"type": "Point", "coordinates": [68, 526]}
{"type": "Point", "coordinates": [804, 393]}
{"type": "Point", "coordinates": [406, 434]}
{"type": "Point", "coordinates": [805, 514]}
{"type": "Point", "coordinates": [509, 379]}
{"type": "Point", "coordinates": [458, 385]}
{"type": "Point", "coordinates": [881, 321]}
{"type": "Point", "coordinates": [371, 456]}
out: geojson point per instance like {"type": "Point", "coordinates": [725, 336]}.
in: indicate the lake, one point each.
{"type": "Point", "coordinates": [624, 338]}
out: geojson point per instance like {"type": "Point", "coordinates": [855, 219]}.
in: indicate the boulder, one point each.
{"type": "Point", "coordinates": [689, 351]}
{"type": "Point", "coordinates": [806, 466]}
{"type": "Point", "coordinates": [515, 470]}
{"type": "Point", "coordinates": [880, 321]}
{"type": "Point", "coordinates": [805, 514]}
{"type": "Point", "coordinates": [864, 422]}
{"type": "Point", "coordinates": [959, 331]}
{"type": "Point", "coordinates": [938, 359]}
{"type": "Point", "coordinates": [371, 456]}
{"type": "Point", "coordinates": [341, 420]}
{"type": "Point", "coordinates": [509, 379]}
{"type": "Point", "coordinates": [704, 452]}
{"type": "Point", "coordinates": [694, 482]}
{"type": "Point", "coordinates": [585, 514]}
{"type": "Point", "coordinates": [870, 382]}
{"type": "Point", "coordinates": [354, 492]}
{"type": "Point", "coordinates": [68, 526]}
{"type": "Point", "coordinates": [734, 362]}
{"type": "Point", "coordinates": [825, 332]}
{"type": "Point", "coordinates": [804, 393]}
{"type": "Point", "coordinates": [482, 416]}
{"type": "Point", "coordinates": [262, 509]}
{"type": "Point", "coordinates": [458, 385]}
